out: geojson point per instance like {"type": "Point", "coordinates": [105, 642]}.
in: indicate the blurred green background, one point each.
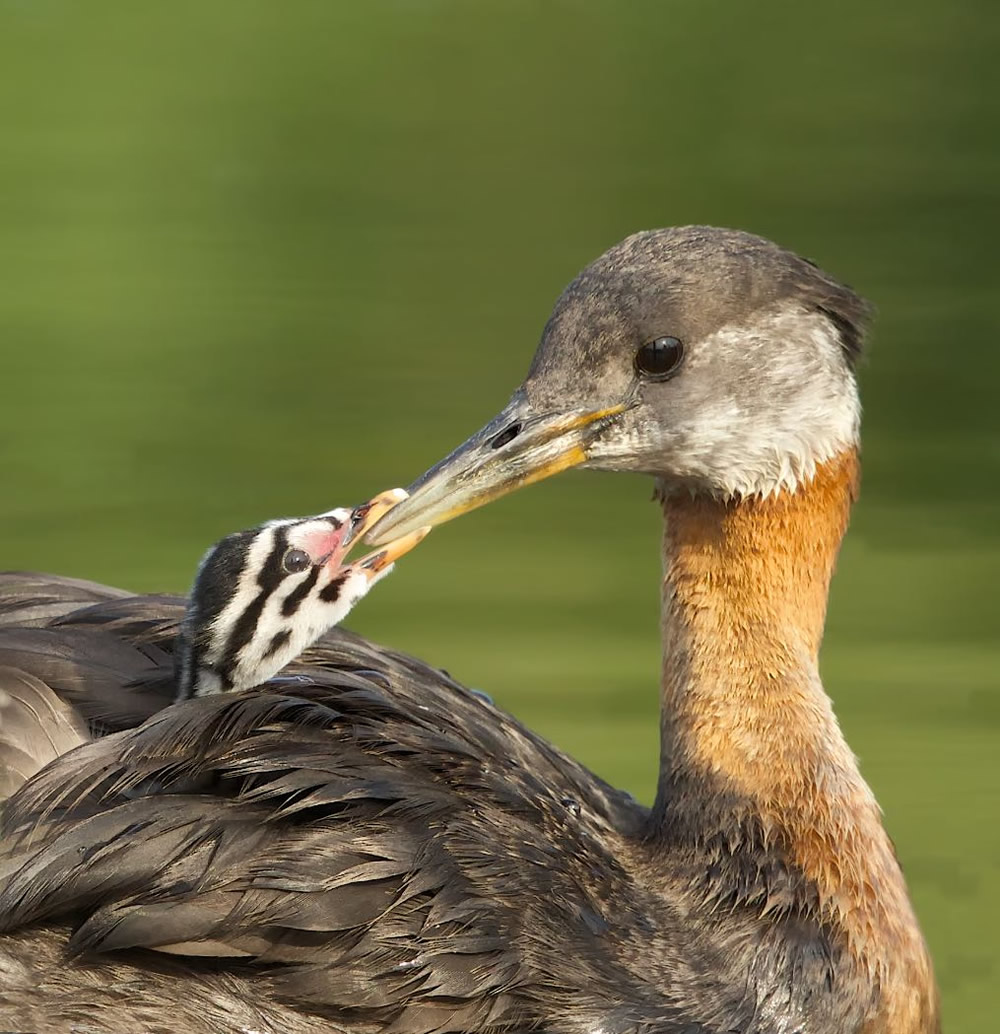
{"type": "Point", "coordinates": [260, 259]}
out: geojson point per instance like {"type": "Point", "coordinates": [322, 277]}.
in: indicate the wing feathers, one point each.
{"type": "Point", "coordinates": [327, 831]}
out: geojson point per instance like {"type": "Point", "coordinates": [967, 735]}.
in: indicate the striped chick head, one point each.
{"type": "Point", "coordinates": [263, 595]}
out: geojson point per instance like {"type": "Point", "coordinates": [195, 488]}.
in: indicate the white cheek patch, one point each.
{"type": "Point", "coordinates": [818, 417]}
{"type": "Point", "coordinates": [798, 408]}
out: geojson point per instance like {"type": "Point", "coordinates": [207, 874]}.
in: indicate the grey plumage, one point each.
{"type": "Point", "coordinates": [68, 673]}
{"type": "Point", "coordinates": [343, 796]}
{"type": "Point", "coordinates": [371, 844]}
{"type": "Point", "coordinates": [36, 726]}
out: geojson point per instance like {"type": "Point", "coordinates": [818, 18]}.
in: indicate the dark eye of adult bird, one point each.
{"type": "Point", "coordinates": [659, 359]}
{"type": "Point", "coordinates": [374, 848]}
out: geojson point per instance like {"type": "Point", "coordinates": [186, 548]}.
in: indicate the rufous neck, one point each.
{"type": "Point", "coordinates": [744, 601]}
{"type": "Point", "coordinates": [745, 716]}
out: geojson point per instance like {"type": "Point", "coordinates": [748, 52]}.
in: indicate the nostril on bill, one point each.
{"type": "Point", "coordinates": [508, 434]}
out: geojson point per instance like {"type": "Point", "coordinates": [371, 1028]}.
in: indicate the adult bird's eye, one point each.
{"type": "Point", "coordinates": [659, 359]}
{"type": "Point", "coordinates": [295, 561]}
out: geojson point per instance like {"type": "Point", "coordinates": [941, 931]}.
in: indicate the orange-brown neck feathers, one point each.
{"type": "Point", "coordinates": [744, 711]}
{"type": "Point", "coordinates": [763, 559]}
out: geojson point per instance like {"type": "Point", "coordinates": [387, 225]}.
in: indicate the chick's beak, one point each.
{"type": "Point", "coordinates": [364, 517]}
{"type": "Point", "coordinates": [516, 448]}
{"type": "Point", "coordinates": [378, 562]}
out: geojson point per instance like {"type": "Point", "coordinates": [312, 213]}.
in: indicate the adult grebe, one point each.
{"type": "Point", "coordinates": [358, 856]}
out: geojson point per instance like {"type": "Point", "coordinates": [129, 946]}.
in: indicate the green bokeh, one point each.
{"type": "Point", "coordinates": [262, 258]}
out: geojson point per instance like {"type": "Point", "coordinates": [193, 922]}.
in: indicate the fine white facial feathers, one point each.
{"type": "Point", "coordinates": [794, 408]}
{"type": "Point", "coordinates": [756, 407]}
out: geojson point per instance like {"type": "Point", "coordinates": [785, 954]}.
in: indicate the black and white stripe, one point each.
{"type": "Point", "coordinates": [267, 579]}
{"type": "Point", "coordinates": [247, 616]}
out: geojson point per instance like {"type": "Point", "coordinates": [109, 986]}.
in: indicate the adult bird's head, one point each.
{"type": "Point", "coordinates": [263, 595]}
{"type": "Point", "coordinates": [712, 359]}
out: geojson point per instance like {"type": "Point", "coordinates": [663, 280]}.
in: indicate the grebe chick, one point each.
{"type": "Point", "coordinates": [262, 596]}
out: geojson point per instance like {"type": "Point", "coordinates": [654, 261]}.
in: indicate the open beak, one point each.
{"type": "Point", "coordinates": [517, 448]}
{"type": "Point", "coordinates": [375, 564]}
{"type": "Point", "coordinates": [365, 517]}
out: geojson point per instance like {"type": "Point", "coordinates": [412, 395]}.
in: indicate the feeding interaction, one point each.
{"type": "Point", "coordinates": [243, 818]}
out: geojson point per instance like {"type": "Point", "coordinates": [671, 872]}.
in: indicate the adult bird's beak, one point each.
{"type": "Point", "coordinates": [516, 448]}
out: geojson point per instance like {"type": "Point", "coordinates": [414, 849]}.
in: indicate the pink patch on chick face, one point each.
{"type": "Point", "coordinates": [322, 541]}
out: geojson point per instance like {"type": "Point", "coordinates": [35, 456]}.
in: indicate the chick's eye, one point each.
{"type": "Point", "coordinates": [295, 561]}
{"type": "Point", "coordinates": [659, 359]}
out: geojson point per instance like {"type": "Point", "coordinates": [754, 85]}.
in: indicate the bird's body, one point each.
{"type": "Point", "coordinates": [326, 840]}
{"type": "Point", "coordinates": [373, 848]}
{"type": "Point", "coordinates": [65, 671]}
{"type": "Point", "coordinates": [384, 793]}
